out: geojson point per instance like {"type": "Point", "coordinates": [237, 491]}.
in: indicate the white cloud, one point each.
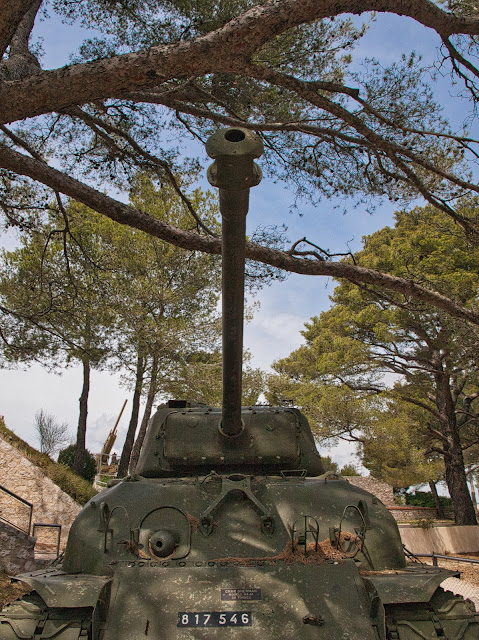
{"type": "Point", "coordinates": [272, 336]}
{"type": "Point", "coordinates": [22, 393]}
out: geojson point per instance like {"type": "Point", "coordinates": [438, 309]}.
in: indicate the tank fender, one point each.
{"type": "Point", "coordinates": [413, 584]}
{"type": "Point", "coordinates": [67, 591]}
{"type": "Point", "coordinates": [31, 618]}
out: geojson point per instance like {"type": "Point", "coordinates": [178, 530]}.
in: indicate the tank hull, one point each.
{"type": "Point", "coordinates": [273, 601]}
{"type": "Point", "coordinates": [235, 578]}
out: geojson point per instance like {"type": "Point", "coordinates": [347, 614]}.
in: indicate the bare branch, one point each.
{"type": "Point", "coordinates": [318, 253]}
{"type": "Point", "coordinates": [220, 51]}
{"type": "Point", "coordinates": [153, 161]}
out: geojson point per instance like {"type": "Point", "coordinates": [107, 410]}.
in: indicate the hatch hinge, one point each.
{"type": "Point", "coordinates": [236, 483]}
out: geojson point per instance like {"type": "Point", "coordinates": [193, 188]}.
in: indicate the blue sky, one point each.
{"type": "Point", "coordinates": [285, 306]}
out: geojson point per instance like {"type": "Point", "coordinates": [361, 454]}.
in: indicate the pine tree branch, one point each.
{"type": "Point", "coordinates": [220, 51]}
{"type": "Point", "coordinates": [125, 214]}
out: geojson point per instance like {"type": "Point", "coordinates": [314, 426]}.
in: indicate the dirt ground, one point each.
{"type": "Point", "coordinates": [10, 592]}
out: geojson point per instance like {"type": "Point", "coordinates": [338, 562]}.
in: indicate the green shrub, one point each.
{"type": "Point", "coordinates": [425, 499]}
{"type": "Point", "coordinates": [78, 488]}
{"type": "Point", "coordinates": [423, 523]}
{"type": "Point", "coordinates": [349, 470]}
{"type": "Point", "coordinates": [67, 457]}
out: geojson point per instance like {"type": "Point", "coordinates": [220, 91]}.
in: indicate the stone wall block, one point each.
{"type": "Point", "coordinates": [50, 504]}
{"type": "Point", "coordinates": [17, 555]}
{"type": "Point", "coordinates": [381, 490]}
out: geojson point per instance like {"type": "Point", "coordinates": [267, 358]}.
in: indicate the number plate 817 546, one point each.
{"type": "Point", "coordinates": [214, 619]}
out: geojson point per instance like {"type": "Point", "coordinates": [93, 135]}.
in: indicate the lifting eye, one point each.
{"type": "Point", "coordinates": [163, 543]}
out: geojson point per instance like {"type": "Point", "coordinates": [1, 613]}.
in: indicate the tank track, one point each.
{"type": "Point", "coordinates": [445, 616]}
{"type": "Point", "coordinates": [31, 618]}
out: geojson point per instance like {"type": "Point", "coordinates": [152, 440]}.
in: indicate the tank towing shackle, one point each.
{"type": "Point", "coordinates": [234, 172]}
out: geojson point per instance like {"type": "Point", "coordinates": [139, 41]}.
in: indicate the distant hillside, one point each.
{"type": "Point", "coordinates": [76, 487]}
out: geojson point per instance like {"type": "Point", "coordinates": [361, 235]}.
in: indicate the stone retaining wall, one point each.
{"type": "Point", "coordinates": [51, 505]}
{"type": "Point", "coordinates": [379, 489]}
{"type": "Point", "coordinates": [16, 550]}
{"type": "Point", "coordinates": [385, 493]}
{"type": "Point", "coordinates": [444, 540]}
{"type": "Point", "coordinates": [405, 513]}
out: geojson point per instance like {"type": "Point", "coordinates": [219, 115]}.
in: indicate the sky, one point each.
{"type": "Point", "coordinates": [285, 306]}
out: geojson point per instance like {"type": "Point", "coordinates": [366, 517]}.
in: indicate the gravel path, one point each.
{"type": "Point", "coordinates": [468, 585]}
{"type": "Point", "coordinates": [463, 588]}
{"type": "Point", "coordinates": [469, 572]}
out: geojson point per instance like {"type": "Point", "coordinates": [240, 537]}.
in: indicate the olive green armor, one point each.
{"type": "Point", "coordinates": [229, 528]}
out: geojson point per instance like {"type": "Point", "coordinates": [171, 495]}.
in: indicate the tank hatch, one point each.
{"type": "Point", "coordinates": [187, 441]}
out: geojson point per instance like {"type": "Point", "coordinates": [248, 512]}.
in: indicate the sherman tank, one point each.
{"type": "Point", "coordinates": [229, 529]}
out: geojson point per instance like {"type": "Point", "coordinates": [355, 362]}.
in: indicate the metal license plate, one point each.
{"type": "Point", "coordinates": [214, 619]}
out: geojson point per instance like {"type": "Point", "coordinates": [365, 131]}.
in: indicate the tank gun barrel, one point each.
{"type": "Point", "coordinates": [234, 172]}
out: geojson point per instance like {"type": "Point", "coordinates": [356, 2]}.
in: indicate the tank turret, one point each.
{"type": "Point", "coordinates": [229, 528]}
{"type": "Point", "coordinates": [186, 440]}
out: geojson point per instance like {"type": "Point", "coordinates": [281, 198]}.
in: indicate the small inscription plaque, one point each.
{"type": "Point", "coordinates": [241, 594]}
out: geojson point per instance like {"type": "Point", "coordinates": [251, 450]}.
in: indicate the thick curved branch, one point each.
{"type": "Point", "coordinates": [125, 214]}
{"type": "Point", "coordinates": [11, 15]}
{"type": "Point", "coordinates": [21, 62]}
{"type": "Point", "coordinates": [19, 43]}
{"type": "Point", "coordinates": [219, 51]}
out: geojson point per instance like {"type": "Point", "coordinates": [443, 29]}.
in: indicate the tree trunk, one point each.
{"type": "Point", "coordinates": [472, 491]}
{"type": "Point", "coordinates": [79, 461]}
{"type": "Point", "coordinates": [439, 510]}
{"type": "Point", "coordinates": [146, 416]}
{"type": "Point", "coordinates": [457, 484]}
{"type": "Point", "coordinates": [130, 435]}
{"type": "Point", "coordinates": [456, 481]}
